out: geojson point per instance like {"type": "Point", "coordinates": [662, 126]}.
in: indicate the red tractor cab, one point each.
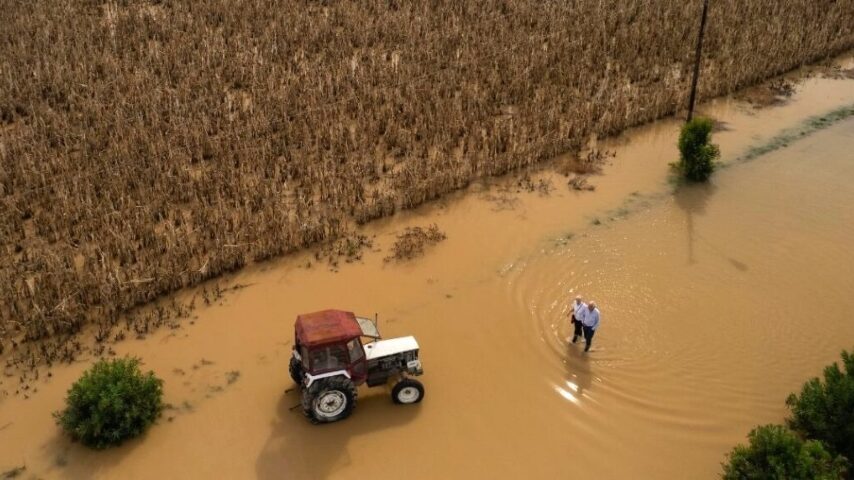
{"type": "Point", "coordinates": [335, 351]}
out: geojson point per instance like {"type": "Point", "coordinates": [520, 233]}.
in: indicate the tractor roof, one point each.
{"type": "Point", "coordinates": [327, 326]}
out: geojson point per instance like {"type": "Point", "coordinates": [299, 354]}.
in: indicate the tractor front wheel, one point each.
{"type": "Point", "coordinates": [407, 391]}
{"type": "Point", "coordinates": [329, 399]}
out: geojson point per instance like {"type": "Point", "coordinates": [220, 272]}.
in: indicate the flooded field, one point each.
{"type": "Point", "coordinates": [717, 301]}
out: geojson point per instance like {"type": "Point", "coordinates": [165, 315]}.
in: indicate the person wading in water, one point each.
{"type": "Point", "coordinates": [575, 311]}
{"type": "Point", "coordinates": [590, 321]}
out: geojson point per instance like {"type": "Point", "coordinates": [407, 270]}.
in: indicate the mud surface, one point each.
{"type": "Point", "coordinates": [707, 296]}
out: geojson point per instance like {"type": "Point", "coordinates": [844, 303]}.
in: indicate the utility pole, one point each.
{"type": "Point", "coordinates": [697, 60]}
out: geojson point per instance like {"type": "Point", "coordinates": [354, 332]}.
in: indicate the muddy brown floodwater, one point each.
{"type": "Point", "coordinates": [717, 301]}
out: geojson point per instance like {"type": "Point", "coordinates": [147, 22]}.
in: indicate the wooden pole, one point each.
{"type": "Point", "coordinates": [697, 61]}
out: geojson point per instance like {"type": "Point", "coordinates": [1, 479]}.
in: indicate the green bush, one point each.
{"type": "Point", "coordinates": [111, 402]}
{"type": "Point", "coordinates": [825, 410]}
{"type": "Point", "coordinates": [775, 452]}
{"type": "Point", "coordinates": [697, 155]}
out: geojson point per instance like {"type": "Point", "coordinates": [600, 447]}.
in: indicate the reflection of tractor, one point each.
{"type": "Point", "coordinates": [329, 361]}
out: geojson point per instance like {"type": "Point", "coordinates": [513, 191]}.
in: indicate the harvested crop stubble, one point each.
{"type": "Point", "coordinates": [150, 145]}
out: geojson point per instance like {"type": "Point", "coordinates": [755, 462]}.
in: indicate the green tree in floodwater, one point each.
{"type": "Point", "coordinates": [697, 155]}
{"type": "Point", "coordinates": [775, 452]}
{"type": "Point", "coordinates": [112, 402]}
{"type": "Point", "coordinates": [825, 410]}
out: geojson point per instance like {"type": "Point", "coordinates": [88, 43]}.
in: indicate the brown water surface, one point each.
{"type": "Point", "coordinates": [717, 301]}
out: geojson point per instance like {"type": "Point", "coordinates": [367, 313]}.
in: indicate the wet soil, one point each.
{"type": "Point", "coordinates": [707, 296]}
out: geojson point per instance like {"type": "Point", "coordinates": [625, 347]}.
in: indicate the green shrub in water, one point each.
{"type": "Point", "coordinates": [825, 410]}
{"type": "Point", "coordinates": [111, 402]}
{"type": "Point", "coordinates": [775, 452]}
{"type": "Point", "coordinates": [697, 155]}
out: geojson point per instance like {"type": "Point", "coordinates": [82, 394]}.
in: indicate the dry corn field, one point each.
{"type": "Point", "coordinates": [150, 145]}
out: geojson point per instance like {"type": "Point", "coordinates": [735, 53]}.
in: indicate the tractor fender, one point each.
{"type": "Point", "coordinates": [311, 378]}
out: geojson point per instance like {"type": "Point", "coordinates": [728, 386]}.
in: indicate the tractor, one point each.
{"type": "Point", "coordinates": [335, 351]}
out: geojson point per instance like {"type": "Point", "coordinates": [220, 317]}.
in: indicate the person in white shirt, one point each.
{"type": "Point", "coordinates": [590, 323]}
{"type": "Point", "coordinates": [575, 312]}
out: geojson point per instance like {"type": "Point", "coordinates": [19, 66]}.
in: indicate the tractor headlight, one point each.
{"type": "Point", "coordinates": [414, 367]}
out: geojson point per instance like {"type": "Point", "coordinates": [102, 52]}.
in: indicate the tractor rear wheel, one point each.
{"type": "Point", "coordinates": [295, 368]}
{"type": "Point", "coordinates": [407, 391]}
{"type": "Point", "coordinates": [329, 399]}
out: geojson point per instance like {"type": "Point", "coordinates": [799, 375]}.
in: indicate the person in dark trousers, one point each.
{"type": "Point", "coordinates": [590, 323]}
{"type": "Point", "coordinates": [575, 310]}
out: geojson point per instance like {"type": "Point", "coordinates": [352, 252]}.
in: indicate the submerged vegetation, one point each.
{"type": "Point", "coordinates": [820, 441]}
{"type": "Point", "coordinates": [13, 473]}
{"type": "Point", "coordinates": [413, 241]}
{"type": "Point", "coordinates": [112, 402]}
{"type": "Point", "coordinates": [151, 145]}
{"type": "Point", "coordinates": [812, 125]}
